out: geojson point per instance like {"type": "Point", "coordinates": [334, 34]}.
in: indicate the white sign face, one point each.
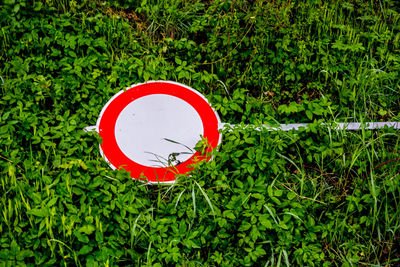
{"type": "Point", "coordinates": [151, 130]}
{"type": "Point", "coordinates": [158, 129]}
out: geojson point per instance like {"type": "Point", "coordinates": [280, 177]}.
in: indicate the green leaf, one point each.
{"type": "Point", "coordinates": [87, 229]}
{"type": "Point", "coordinates": [229, 214]}
{"type": "Point", "coordinates": [85, 250]}
{"type": "Point", "coordinates": [14, 248]}
{"type": "Point", "coordinates": [258, 196]}
{"type": "Point", "coordinates": [244, 226]}
{"type": "Point", "coordinates": [265, 221]}
{"type": "Point", "coordinates": [44, 212]}
{"type": "Point", "coordinates": [37, 6]}
{"type": "Point", "coordinates": [52, 202]}
{"type": "Point", "coordinates": [238, 183]}
{"type": "Point", "coordinates": [25, 254]}
{"type": "Point", "coordinates": [291, 195]}
{"type": "Point", "coordinates": [283, 225]}
{"type": "Point", "coordinates": [270, 191]}
{"type": "Point", "coordinates": [251, 169]}
{"type": "Point", "coordinates": [311, 221]}
{"type": "Point", "coordinates": [382, 112]}
{"type": "Point", "coordinates": [278, 193]}
{"type": "Point", "coordinates": [181, 75]}
{"type": "Point", "coordinates": [309, 114]}
{"type": "Point", "coordinates": [16, 8]}
{"type": "Point", "coordinates": [81, 238]}
{"type": "Point", "coordinates": [260, 251]}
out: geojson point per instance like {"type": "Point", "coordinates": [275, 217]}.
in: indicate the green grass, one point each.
{"type": "Point", "coordinates": [315, 197]}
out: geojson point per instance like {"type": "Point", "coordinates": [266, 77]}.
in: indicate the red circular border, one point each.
{"type": "Point", "coordinates": [110, 114]}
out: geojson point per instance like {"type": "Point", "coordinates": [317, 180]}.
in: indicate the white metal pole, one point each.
{"type": "Point", "coordinates": [352, 126]}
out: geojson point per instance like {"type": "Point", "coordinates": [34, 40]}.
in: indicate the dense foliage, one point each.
{"type": "Point", "coordinates": [313, 197]}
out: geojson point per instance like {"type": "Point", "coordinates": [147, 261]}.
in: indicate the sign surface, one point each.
{"type": "Point", "coordinates": [151, 130]}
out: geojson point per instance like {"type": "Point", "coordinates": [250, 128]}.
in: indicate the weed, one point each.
{"type": "Point", "coordinates": [317, 197]}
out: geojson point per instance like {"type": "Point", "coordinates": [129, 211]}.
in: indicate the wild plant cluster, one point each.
{"type": "Point", "coordinates": [313, 197]}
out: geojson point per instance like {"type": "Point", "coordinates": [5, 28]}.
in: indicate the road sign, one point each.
{"type": "Point", "coordinates": [151, 130]}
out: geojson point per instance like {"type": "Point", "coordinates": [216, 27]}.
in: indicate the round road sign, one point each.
{"type": "Point", "coordinates": [151, 130]}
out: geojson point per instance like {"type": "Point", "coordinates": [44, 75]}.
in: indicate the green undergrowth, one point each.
{"type": "Point", "coordinates": [313, 197]}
